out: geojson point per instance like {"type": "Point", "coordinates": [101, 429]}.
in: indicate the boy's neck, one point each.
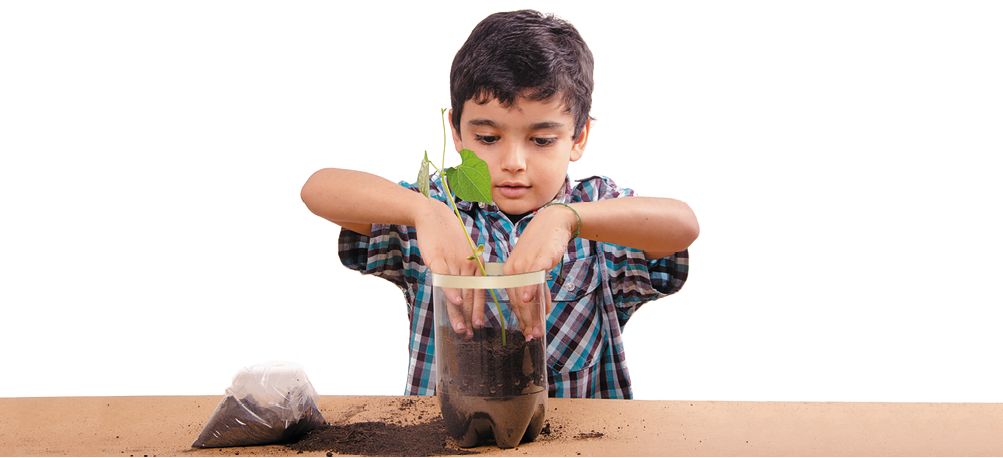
{"type": "Point", "coordinates": [516, 218]}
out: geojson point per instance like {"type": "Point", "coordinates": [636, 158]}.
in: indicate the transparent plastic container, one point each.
{"type": "Point", "coordinates": [488, 388]}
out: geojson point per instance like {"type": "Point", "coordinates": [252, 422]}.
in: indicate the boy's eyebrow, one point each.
{"type": "Point", "coordinates": [546, 125]}
{"type": "Point", "coordinates": [482, 122]}
{"type": "Point", "coordinates": [536, 126]}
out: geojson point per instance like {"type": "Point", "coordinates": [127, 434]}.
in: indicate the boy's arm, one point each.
{"type": "Point", "coordinates": [355, 200]}
{"type": "Point", "coordinates": [339, 196]}
{"type": "Point", "coordinates": [658, 226]}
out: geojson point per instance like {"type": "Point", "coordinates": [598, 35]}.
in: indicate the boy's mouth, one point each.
{"type": "Point", "coordinates": [512, 190]}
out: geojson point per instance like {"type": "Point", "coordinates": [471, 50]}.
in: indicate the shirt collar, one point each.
{"type": "Point", "coordinates": [564, 195]}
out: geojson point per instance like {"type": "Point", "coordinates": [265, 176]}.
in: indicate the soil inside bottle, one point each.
{"type": "Point", "coordinates": [489, 390]}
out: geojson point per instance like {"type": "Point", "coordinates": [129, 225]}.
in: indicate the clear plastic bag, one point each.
{"type": "Point", "coordinates": [266, 404]}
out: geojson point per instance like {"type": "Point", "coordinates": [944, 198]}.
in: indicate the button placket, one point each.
{"type": "Point", "coordinates": [496, 226]}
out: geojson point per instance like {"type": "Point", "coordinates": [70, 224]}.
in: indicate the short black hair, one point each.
{"type": "Point", "coordinates": [523, 53]}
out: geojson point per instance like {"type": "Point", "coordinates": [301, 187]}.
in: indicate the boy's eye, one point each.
{"type": "Point", "coordinates": [544, 141]}
{"type": "Point", "coordinates": [486, 139]}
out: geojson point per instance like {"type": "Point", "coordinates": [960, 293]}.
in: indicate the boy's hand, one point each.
{"type": "Point", "coordinates": [541, 247]}
{"type": "Point", "coordinates": [444, 247]}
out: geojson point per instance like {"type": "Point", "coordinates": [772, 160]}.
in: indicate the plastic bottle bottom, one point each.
{"type": "Point", "coordinates": [510, 420]}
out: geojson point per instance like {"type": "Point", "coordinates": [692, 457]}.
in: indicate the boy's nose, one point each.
{"type": "Point", "coordinates": [514, 158]}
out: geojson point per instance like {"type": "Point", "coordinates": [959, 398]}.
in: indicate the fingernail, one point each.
{"type": "Point", "coordinates": [459, 327]}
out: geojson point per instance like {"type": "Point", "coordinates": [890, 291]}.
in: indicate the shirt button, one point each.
{"type": "Point", "coordinates": [568, 286]}
{"type": "Point", "coordinates": [481, 205]}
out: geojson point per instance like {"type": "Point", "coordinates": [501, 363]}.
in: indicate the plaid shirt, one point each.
{"type": "Point", "coordinates": [600, 287]}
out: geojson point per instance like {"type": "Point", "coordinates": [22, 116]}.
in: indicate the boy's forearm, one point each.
{"type": "Point", "coordinates": [355, 200]}
{"type": "Point", "coordinates": [657, 226]}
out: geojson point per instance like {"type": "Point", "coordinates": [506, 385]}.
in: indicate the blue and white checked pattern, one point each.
{"type": "Point", "coordinates": [599, 287]}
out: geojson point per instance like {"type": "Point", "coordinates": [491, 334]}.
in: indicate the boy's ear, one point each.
{"type": "Point", "coordinates": [578, 147]}
{"type": "Point", "coordinates": [457, 143]}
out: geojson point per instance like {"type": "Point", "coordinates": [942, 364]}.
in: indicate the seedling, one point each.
{"type": "Point", "coordinates": [471, 181]}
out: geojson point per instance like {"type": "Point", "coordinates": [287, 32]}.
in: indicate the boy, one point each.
{"type": "Point", "coordinates": [521, 90]}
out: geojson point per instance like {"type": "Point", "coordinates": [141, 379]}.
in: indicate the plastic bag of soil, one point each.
{"type": "Point", "coordinates": [266, 404]}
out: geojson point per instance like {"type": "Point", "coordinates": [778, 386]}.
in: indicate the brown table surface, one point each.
{"type": "Point", "coordinates": [167, 425]}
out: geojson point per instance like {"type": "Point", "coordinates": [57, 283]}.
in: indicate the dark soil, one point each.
{"type": "Point", "coordinates": [381, 439]}
{"type": "Point", "coordinates": [243, 422]}
{"type": "Point", "coordinates": [482, 366]}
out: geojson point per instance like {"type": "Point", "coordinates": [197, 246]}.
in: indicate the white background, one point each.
{"type": "Point", "coordinates": [843, 159]}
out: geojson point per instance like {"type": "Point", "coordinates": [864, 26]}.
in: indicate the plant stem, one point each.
{"type": "Point", "coordinates": [452, 203]}
{"type": "Point", "coordinates": [480, 262]}
{"type": "Point", "coordinates": [442, 116]}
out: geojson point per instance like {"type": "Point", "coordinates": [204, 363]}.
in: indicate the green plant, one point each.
{"type": "Point", "coordinates": [471, 181]}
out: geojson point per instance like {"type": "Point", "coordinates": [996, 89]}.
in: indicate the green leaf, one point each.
{"type": "Point", "coordinates": [471, 180]}
{"type": "Point", "coordinates": [423, 180]}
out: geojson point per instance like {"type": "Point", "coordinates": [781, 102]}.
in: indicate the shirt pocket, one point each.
{"type": "Point", "coordinates": [575, 333]}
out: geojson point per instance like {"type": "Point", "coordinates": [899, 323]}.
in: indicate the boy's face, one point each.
{"type": "Point", "coordinates": [527, 146]}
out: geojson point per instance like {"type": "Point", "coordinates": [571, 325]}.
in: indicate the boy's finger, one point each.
{"type": "Point", "coordinates": [514, 304]}
{"type": "Point", "coordinates": [458, 319]}
{"type": "Point", "coordinates": [534, 313]}
{"type": "Point", "coordinates": [453, 295]}
{"type": "Point", "coordinates": [527, 312]}
{"type": "Point", "coordinates": [459, 314]}
{"type": "Point", "coordinates": [477, 312]}
{"type": "Point", "coordinates": [468, 307]}
{"type": "Point", "coordinates": [528, 292]}
{"type": "Point", "coordinates": [467, 298]}
{"type": "Point", "coordinates": [548, 301]}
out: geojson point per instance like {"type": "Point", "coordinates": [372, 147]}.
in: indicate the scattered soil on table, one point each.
{"type": "Point", "coordinates": [589, 435]}
{"type": "Point", "coordinates": [381, 439]}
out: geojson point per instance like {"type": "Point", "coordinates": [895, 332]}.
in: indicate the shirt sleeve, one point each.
{"type": "Point", "coordinates": [388, 251]}
{"type": "Point", "coordinates": [633, 279]}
